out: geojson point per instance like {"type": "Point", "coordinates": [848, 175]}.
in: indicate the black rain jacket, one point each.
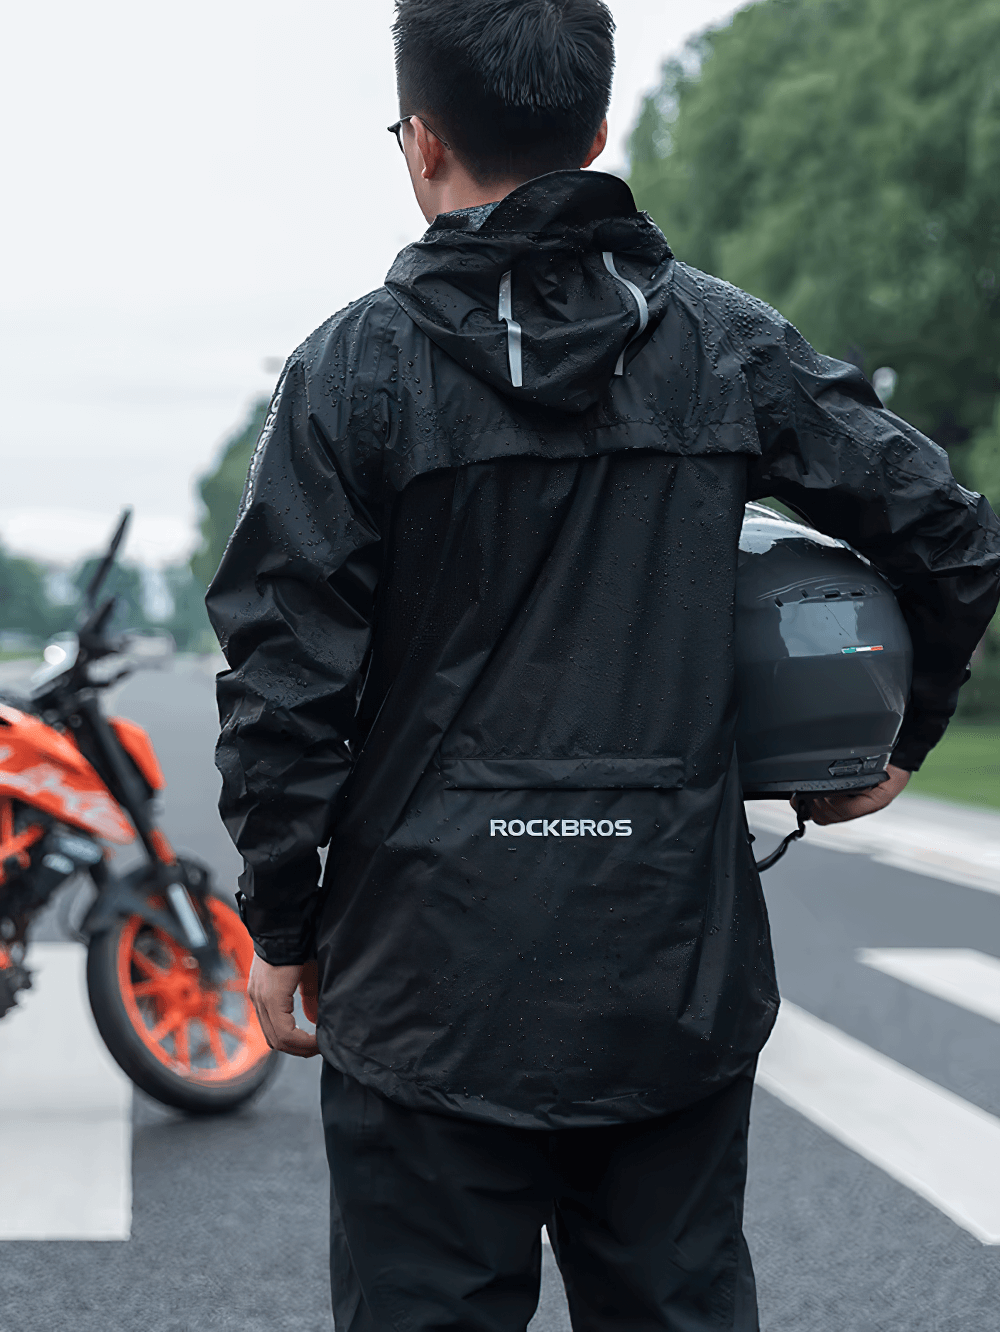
{"type": "Point", "coordinates": [478, 613]}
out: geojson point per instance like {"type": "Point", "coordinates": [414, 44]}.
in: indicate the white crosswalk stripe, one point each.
{"type": "Point", "coordinates": [962, 976]}
{"type": "Point", "coordinates": [65, 1113]}
{"type": "Point", "coordinates": [927, 1138]}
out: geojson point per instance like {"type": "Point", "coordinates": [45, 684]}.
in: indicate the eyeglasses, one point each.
{"type": "Point", "coordinates": [397, 129]}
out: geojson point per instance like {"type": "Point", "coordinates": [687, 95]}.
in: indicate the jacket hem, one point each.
{"type": "Point", "coordinates": [632, 1107]}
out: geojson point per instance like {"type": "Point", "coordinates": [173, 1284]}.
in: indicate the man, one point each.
{"type": "Point", "coordinates": [478, 612]}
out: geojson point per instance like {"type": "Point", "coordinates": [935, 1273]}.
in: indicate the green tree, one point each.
{"type": "Point", "coordinates": [25, 606]}
{"type": "Point", "coordinates": [188, 621]}
{"type": "Point", "coordinates": [841, 160]}
{"type": "Point", "coordinates": [981, 697]}
{"type": "Point", "coordinates": [221, 490]}
{"type": "Point", "coordinates": [984, 461]}
{"type": "Point", "coordinates": [125, 582]}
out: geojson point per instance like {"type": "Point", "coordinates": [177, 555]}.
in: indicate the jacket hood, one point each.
{"type": "Point", "coordinates": [550, 297]}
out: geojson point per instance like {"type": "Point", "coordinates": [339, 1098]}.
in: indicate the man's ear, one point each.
{"type": "Point", "coordinates": [597, 147]}
{"type": "Point", "coordinates": [430, 151]}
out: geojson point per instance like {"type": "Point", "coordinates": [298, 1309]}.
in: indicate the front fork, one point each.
{"type": "Point", "coordinates": [184, 888]}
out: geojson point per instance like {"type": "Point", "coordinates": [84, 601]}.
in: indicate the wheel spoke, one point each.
{"type": "Point", "coordinates": [146, 965]}
{"type": "Point", "coordinates": [215, 1042]}
{"type": "Point", "coordinates": [182, 1046]}
{"type": "Point", "coordinates": [149, 987]}
{"type": "Point", "coordinates": [166, 1026]}
{"type": "Point", "coordinates": [232, 1028]}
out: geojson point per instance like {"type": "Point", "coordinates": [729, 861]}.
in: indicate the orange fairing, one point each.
{"type": "Point", "coordinates": [139, 747]}
{"type": "Point", "coordinates": [164, 851]}
{"type": "Point", "coordinates": [44, 769]}
{"type": "Point", "coordinates": [14, 847]}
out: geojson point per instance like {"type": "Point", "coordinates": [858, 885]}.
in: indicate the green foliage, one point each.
{"type": "Point", "coordinates": [841, 159]}
{"type": "Point", "coordinates": [962, 767]}
{"type": "Point", "coordinates": [188, 622]}
{"type": "Point", "coordinates": [984, 460]}
{"type": "Point", "coordinates": [125, 582]}
{"type": "Point", "coordinates": [979, 700]}
{"type": "Point", "coordinates": [221, 491]}
{"type": "Point", "coordinates": [981, 696]}
{"type": "Point", "coordinates": [25, 606]}
{"type": "Point", "coordinates": [27, 609]}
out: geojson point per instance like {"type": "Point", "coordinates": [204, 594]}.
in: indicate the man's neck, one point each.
{"type": "Point", "coordinates": [463, 192]}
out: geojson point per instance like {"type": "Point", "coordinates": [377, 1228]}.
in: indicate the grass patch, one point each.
{"type": "Point", "coordinates": [965, 766]}
{"type": "Point", "coordinates": [23, 654]}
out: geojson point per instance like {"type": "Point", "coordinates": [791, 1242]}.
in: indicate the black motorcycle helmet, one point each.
{"type": "Point", "coordinates": [823, 661]}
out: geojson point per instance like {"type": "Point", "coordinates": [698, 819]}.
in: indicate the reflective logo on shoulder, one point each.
{"type": "Point", "coordinates": [560, 828]}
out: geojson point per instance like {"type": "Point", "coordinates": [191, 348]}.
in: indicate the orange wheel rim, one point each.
{"type": "Point", "coordinates": [204, 1033]}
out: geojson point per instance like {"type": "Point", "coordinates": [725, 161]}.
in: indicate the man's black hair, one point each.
{"type": "Point", "coordinates": [517, 87]}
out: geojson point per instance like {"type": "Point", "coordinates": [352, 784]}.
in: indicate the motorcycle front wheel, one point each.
{"type": "Point", "coordinates": [194, 1046]}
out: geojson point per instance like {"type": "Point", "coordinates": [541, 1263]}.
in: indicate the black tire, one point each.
{"type": "Point", "coordinates": [119, 1015]}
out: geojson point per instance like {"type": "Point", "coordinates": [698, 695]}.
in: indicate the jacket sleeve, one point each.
{"type": "Point", "coordinates": [292, 605]}
{"type": "Point", "coordinates": [834, 455]}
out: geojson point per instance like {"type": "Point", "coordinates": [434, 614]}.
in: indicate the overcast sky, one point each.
{"type": "Point", "coordinates": [189, 190]}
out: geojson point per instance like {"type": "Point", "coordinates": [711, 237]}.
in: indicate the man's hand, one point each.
{"type": "Point", "coordinates": [272, 992]}
{"type": "Point", "coordinates": [840, 808]}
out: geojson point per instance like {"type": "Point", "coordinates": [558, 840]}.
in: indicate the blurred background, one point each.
{"type": "Point", "coordinates": [189, 190]}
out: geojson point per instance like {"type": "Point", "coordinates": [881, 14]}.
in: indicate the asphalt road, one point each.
{"type": "Point", "coordinates": [229, 1223]}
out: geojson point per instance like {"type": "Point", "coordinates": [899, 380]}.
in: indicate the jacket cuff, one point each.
{"type": "Point", "coordinates": [282, 921]}
{"type": "Point", "coordinates": [280, 953]}
{"type": "Point", "coordinates": [919, 734]}
{"type": "Point", "coordinates": [909, 756]}
{"type": "Point", "coordinates": [281, 942]}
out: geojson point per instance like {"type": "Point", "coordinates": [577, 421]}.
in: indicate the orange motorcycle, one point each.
{"type": "Point", "coordinates": [167, 960]}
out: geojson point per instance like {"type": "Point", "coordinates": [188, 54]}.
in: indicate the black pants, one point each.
{"type": "Point", "coordinates": [435, 1221]}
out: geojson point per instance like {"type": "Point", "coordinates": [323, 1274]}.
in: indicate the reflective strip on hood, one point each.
{"type": "Point", "coordinates": [513, 330]}
{"type": "Point", "coordinates": [640, 300]}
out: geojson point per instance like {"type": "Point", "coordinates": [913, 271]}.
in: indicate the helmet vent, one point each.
{"type": "Point", "coordinates": [852, 767]}
{"type": "Point", "coordinates": [830, 593]}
